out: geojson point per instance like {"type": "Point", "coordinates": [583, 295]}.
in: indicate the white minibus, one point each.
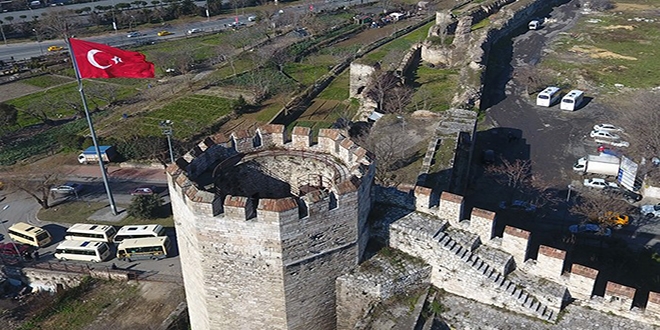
{"type": "Point", "coordinates": [83, 251]}
{"type": "Point", "coordinates": [28, 234]}
{"type": "Point", "coordinates": [572, 100]}
{"type": "Point", "coordinates": [91, 232]}
{"type": "Point", "coordinates": [548, 96]}
{"type": "Point", "coordinates": [140, 231]}
{"type": "Point", "coordinates": [143, 248]}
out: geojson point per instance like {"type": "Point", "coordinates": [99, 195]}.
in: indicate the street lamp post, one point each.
{"type": "Point", "coordinates": [38, 40]}
{"type": "Point", "coordinates": [166, 127]}
{"type": "Point", "coordinates": [18, 253]}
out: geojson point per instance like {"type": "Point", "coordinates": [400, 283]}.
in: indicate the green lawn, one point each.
{"type": "Point", "coordinates": [436, 88]}
{"type": "Point", "coordinates": [58, 102]}
{"type": "Point", "coordinates": [338, 88]}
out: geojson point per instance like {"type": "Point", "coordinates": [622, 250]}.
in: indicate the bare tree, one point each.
{"type": "Point", "coordinates": [640, 117]}
{"type": "Point", "coordinates": [380, 85]}
{"type": "Point", "coordinates": [423, 99]}
{"type": "Point", "coordinates": [37, 179]}
{"type": "Point", "coordinates": [105, 91]}
{"type": "Point", "coordinates": [390, 146]}
{"type": "Point", "coordinates": [8, 115]}
{"type": "Point", "coordinates": [59, 23]}
{"type": "Point", "coordinates": [516, 175]}
{"type": "Point", "coordinates": [600, 208]}
{"type": "Point", "coordinates": [533, 78]}
{"type": "Point", "coordinates": [37, 109]}
{"type": "Point", "coordinates": [225, 53]}
{"type": "Point", "coordinates": [398, 99]}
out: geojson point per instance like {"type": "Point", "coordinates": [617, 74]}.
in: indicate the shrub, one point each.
{"type": "Point", "coordinates": [145, 206]}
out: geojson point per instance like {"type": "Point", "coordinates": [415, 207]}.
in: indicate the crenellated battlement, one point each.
{"type": "Point", "coordinates": [336, 165]}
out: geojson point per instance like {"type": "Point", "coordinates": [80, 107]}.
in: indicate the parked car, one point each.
{"type": "Point", "coordinates": [624, 144]}
{"type": "Point", "coordinates": [164, 33]}
{"type": "Point", "coordinates": [607, 128]}
{"type": "Point", "coordinates": [625, 194]}
{"type": "Point", "coordinates": [518, 205]}
{"type": "Point", "coordinates": [68, 188]}
{"type": "Point", "coordinates": [133, 34]}
{"type": "Point", "coordinates": [252, 18]}
{"type": "Point", "coordinates": [604, 135]}
{"type": "Point", "coordinates": [143, 191]}
{"type": "Point", "coordinates": [10, 249]}
{"type": "Point", "coordinates": [590, 228]}
{"type": "Point", "coordinates": [55, 48]}
{"type": "Point", "coordinates": [650, 210]}
{"type": "Point", "coordinates": [618, 220]}
{"type": "Point", "coordinates": [598, 183]}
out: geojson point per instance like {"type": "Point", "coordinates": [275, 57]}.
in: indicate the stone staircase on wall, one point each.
{"type": "Point", "coordinates": [525, 299]}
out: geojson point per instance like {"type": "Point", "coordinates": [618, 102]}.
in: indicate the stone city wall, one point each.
{"type": "Point", "coordinates": [468, 261]}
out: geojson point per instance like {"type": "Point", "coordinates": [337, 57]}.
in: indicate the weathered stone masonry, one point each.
{"type": "Point", "coordinates": [266, 225]}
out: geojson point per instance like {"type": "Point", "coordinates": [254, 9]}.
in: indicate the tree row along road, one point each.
{"type": "Point", "coordinates": [34, 48]}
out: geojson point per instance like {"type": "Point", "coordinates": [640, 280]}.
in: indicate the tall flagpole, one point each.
{"type": "Point", "coordinates": [113, 207]}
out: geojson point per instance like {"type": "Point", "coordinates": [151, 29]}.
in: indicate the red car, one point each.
{"type": "Point", "coordinates": [10, 249]}
{"type": "Point", "coordinates": [143, 191]}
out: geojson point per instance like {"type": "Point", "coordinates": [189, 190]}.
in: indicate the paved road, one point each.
{"type": "Point", "coordinates": [215, 24]}
{"type": "Point", "coordinates": [23, 208]}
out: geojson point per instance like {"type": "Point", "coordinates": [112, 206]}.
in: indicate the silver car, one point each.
{"type": "Point", "coordinates": [68, 188]}
{"type": "Point", "coordinates": [650, 210]}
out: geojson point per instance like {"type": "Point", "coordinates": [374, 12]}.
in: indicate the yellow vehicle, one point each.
{"type": "Point", "coordinates": [28, 234]}
{"type": "Point", "coordinates": [55, 48]}
{"type": "Point", "coordinates": [618, 220]}
{"type": "Point", "coordinates": [164, 33]}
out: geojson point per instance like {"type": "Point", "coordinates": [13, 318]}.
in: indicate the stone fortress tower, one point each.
{"type": "Point", "coordinates": [265, 225]}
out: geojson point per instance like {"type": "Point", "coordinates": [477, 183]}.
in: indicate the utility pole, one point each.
{"type": "Point", "coordinates": [166, 128]}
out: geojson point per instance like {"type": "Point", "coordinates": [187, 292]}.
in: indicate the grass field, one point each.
{"type": "Point", "coordinates": [434, 89]}
{"type": "Point", "coordinates": [190, 114]}
{"type": "Point", "coordinates": [58, 102]}
{"type": "Point", "coordinates": [612, 48]}
{"type": "Point", "coordinates": [399, 45]}
{"type": "Point", "coordinates": [79, 212]}
{"type": "Point", "coordinates": [47, 80]}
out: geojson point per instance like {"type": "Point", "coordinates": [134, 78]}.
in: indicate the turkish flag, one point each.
{"type": "Point", "coordinates": [102, 61]}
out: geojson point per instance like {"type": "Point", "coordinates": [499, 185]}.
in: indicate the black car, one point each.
{"type": "Point", "coordinates": [624, 194]}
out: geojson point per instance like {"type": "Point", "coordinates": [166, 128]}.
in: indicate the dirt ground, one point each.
{"type": "Point", "coordinates": [157, 300]}
{"type": "Point", "coordinates": [16, 89]}
{"type": "Point", "coordinates": [109, 305]}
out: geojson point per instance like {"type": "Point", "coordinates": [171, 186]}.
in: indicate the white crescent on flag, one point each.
{"type": "Point", "coordinates": [92, 61]}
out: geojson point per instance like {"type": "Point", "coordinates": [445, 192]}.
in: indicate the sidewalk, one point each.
{"type": "Point", "coordinates": [116, 173]}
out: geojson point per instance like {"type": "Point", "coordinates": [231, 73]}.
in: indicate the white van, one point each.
{"type": "Point", "coordinates": [548, 96]}
{"type": "Point", "coordinates": [572, 100]}
{"type": "Point", "coordinates": [534, 24]}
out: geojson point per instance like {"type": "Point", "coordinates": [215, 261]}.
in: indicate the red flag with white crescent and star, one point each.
{"type": "Point", "coordinates": [102, 61]}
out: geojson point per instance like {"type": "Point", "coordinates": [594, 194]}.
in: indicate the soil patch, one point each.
{"type": "Point", "coordinates": [16, 89]}
{"type": "Point", "coordinates": [614, 27]}
{"type": "Point", "coordinates": [595, 52]}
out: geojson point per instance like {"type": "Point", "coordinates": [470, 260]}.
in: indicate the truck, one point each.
{"type": "Point", "coordinates": [603, 164]}
{"type": "Point", "coordinates": [88, 155]}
